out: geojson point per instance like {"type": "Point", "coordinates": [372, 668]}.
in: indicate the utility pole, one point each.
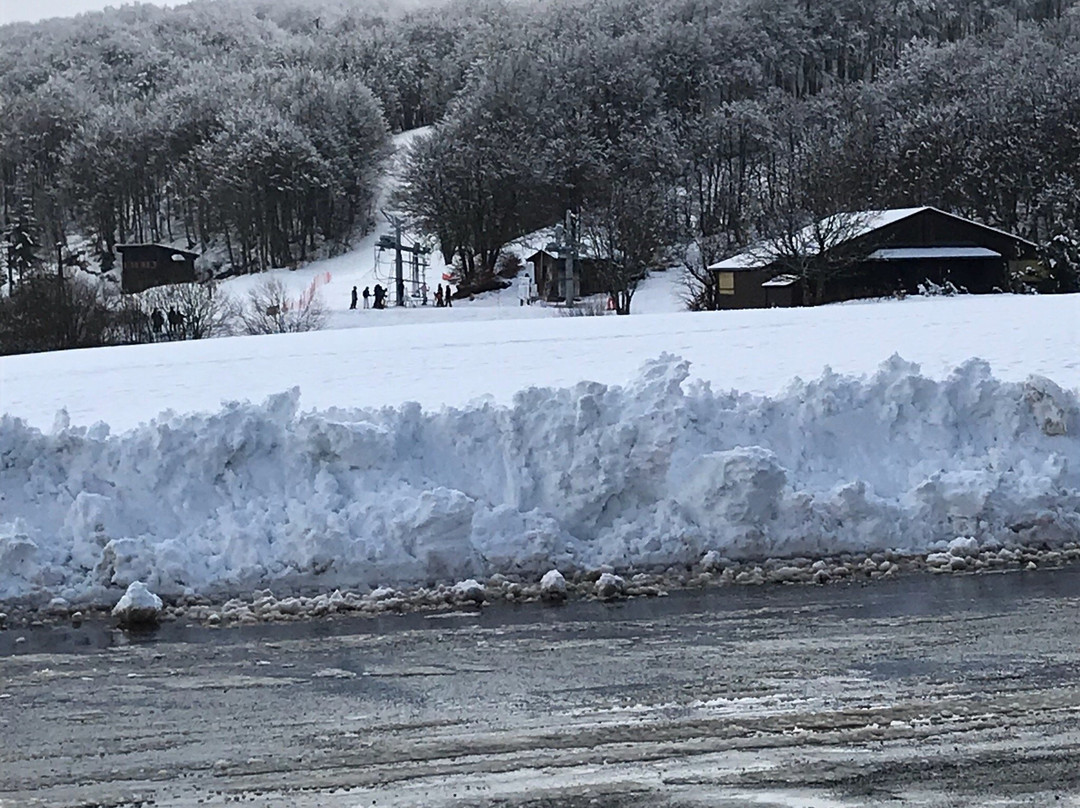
{"type": "Point", "coordinates": [399, 275]}
{"type": "Point", "coordinates": [418, 284]}
{"type": "Point", "coordinates": [565, 248]}
{"type": "Point", "coordinates": [59, 274]}
{"type": "Point", "coordinates": [569, 280]}
{"type": "Point", "coordinates": [61, 315]}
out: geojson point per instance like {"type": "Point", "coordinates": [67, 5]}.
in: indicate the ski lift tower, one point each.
{"type": "Point", "coordinates": [418, 261]}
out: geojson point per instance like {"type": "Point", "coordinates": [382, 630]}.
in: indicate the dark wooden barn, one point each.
{"type": "Point", "coordinates": [547, 269]}
{"type": "Point", "coordinates": [881, 253]}
{"type": "Point", "coordinates": [147, 265]}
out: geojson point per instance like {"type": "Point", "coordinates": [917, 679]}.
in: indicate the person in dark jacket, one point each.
{"type": "Point", "coordinates": [367, 294]}
{"type": "Point", "coordinates": [352, 304]}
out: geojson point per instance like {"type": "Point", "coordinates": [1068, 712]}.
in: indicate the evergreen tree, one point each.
{"type": "Point", "coordinates": [23, 239]}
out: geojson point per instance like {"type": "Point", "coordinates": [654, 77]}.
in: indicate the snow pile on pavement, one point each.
{"type": "Point", "coordinates": [655, 473]}
{"type": "Point", "coordinates": [138, 605]}
{"type": "Point", "coordinates": [553, 586]}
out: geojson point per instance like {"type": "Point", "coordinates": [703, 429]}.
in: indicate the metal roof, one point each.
{"type": "Point", "coordinates": [911, 253]}
{"type": "Point", "coordinates": [853, 224]}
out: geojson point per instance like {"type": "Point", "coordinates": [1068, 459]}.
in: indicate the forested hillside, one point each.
{"type": "Point", "coordinates": [257, 127]}
{"type": "Point", "coordinates": [718, 122]}
{"type": "Point", "coordinates": [248, 125]}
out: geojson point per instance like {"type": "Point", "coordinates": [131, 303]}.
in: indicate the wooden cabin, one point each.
{"type": "Point", "coordinates": [882, 253]}
{"type": "Point", "coordinates": [144, 266]}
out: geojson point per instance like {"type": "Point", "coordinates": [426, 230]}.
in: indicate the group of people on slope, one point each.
{"type": "Point", "coordinates": [175, 319]}
{"type": "Point", "coordinates": [379, 296]}
{"type": "Point", "coordinates": [442, 298]}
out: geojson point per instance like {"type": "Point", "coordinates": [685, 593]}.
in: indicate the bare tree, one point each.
{"type": "Point", "coordinates": [818, 254]}
{"type": "Point", "coordinates": [270, 310]}
{"type": "Point", "coordinates": [625, 231]}
{"type": "Point", "coordinates": [45, 313]}
{"type": "Point", "coordinates": [204, 310]}
{"type": "Point", "coordinates": [823, 251]}
{"type": "Point", "coordinates": [701, 292]}
{"type": "Point", "coordinates": [130, 321]}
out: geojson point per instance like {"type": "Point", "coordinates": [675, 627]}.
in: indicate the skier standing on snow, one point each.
{"type": "Point", "coordinates": [367, 294]}
{"type": "Point", "coordinates": [352, 304]}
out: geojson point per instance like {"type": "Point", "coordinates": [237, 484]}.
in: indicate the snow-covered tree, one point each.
{"type": "Point", "coordinates": [629, 218]}
{"type": "Point", "coordinates": [119, 122]}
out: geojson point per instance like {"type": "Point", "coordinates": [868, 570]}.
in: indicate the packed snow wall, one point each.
{"type": "Point", "coordinates": [641, 476]}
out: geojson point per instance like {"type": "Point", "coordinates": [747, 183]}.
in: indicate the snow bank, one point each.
{"type": "Point", "coordinates": [654, 473]}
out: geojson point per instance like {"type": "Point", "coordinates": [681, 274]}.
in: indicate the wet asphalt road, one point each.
{"type": "Point", "coordinates": [924, 691]}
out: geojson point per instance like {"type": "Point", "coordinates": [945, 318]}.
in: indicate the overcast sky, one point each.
{"type": "Point", "coordinates": [30, 10]}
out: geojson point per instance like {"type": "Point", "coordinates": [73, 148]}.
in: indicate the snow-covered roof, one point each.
{"type": "Point", "coordinates": [847, 226]}
{"type": "Point", "coordinates": [188, 253]}
{"type": "Point", "coordinates": [843, 227]}
{"type": "Point", "coordinates": [746, 260]}
{"type": "Point", "coordinates": [910, 253]}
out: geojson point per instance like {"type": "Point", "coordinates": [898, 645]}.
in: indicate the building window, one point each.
{"type": "Point", "coordinates": [725, 283]}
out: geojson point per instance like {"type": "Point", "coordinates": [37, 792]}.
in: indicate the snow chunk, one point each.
{"type": "Point", "coordinates": [1046, 400]}
{"type": "Point", "coordinates": [964, 547]}
{"type": "Point", "coordinates": [333, 673]}
{"type": "Point", "coordinates": [712, 561]}
{"type": "Point", "coordinates": [470, 589]}
{"type": "Point", "coordinates": [138, 606]}
{"type": "Point", "coordinates": [609, 587]}
{"type": "Point", "coordinates": [939, 559]}
{"type": "Point", "coordinates": [553, 586]}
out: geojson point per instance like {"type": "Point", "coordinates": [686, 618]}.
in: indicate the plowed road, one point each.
{"type": "Point", "coordinates": [922, 691]}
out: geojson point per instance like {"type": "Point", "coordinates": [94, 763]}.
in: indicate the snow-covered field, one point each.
{"type": "Point", "coordinates": [636, 441]}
